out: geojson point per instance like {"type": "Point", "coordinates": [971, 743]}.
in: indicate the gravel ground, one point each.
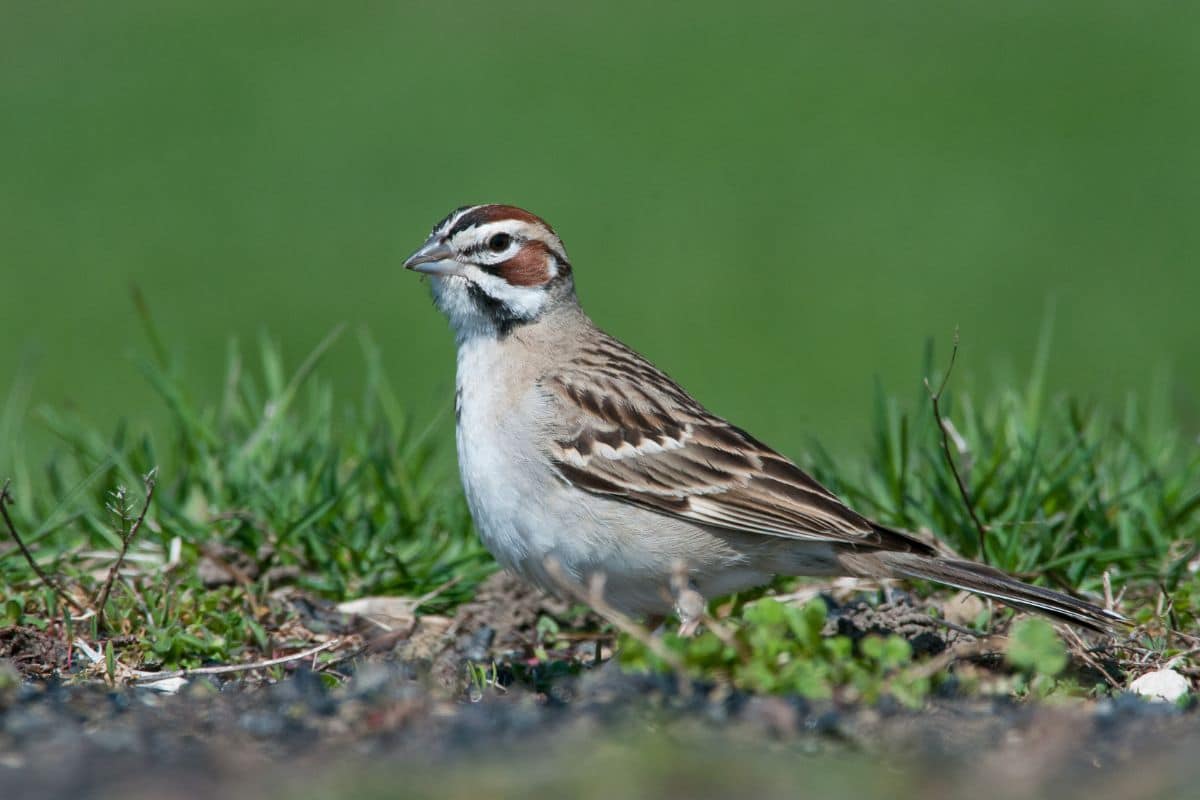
{"type": "Point", "coordinates": [401, 723]}
{"type": "Point", "coordinates": [387, 724]}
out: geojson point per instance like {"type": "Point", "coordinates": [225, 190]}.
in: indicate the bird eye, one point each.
{"type": "Point", "coordinates": [499, 243]}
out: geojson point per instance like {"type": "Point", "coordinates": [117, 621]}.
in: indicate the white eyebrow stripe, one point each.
{"type": "Point", "coordinates": [519, 228]}
{"type": "Point", "coordinates": [515, 228]}
{"type": "Point", "coordinates": [452, 220]}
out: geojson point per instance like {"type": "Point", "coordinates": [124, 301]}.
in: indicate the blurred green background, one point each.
{"type": "Point", "coordinates": [777, 202]}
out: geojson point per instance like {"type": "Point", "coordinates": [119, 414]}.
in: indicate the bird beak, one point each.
{"type": "Point", "coordinates": [434, 258]}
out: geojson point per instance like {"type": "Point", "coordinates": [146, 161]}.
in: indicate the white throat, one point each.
{"type": "Point", "coordinates": [501, 304]}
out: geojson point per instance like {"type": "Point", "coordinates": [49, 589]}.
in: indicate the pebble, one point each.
{"type": "Point", "coordinates": [1163, 686]}
{"type": "Point", "coordinates": [388, 706]}
{"type": "Point", "coordinates": [21, 723]}
{"type": "Point", "coordinates": [164, 686]}
{"type": "Point", "coordinates": [480, 644]}
{"type": "Point", "coordinates": [263, 724]}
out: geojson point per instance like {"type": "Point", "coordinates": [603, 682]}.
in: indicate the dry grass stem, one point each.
{"type": "Point", "coordinates": [945, 428]}
{"type": "Point", "coordinates": [55, 586]}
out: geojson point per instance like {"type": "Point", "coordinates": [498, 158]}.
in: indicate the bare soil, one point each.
{"type": "Point", "coordinates": [405, 715]}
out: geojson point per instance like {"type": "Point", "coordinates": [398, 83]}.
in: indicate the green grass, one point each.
{"type": "Point", "coordinates": [1065, 489]}
{"type": "Point", "coordinates": [825, 184]}
{"type": "Point", "coordinates": [336, 498]}
{"type": "Point", "coordinates": [782, 649]}
{"type": "Point", "coordinates": [344, 496]}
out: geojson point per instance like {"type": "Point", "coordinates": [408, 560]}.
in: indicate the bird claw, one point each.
{"type": "Point", "coordinates": [688, 627]}
{"type": "Point", "coordinates": [692, 609]}
{"type": "Point", "coordinates": [690, 605]}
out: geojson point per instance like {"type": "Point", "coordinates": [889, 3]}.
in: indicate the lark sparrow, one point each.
{"type": "Point", "coordinates": [572, 447]}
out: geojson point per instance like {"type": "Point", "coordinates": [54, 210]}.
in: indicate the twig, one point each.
{"type": "Point", "coordinates": [1175, 659]}
{"type": "Point", "coordinates": [935, 398]}
{"type": "Point", "coordinates": [965, 631]}
{"type": "Point", "coordinates": [1080, 648]}
{"type": "Point", "coordinates": [126, 538]}
{"type": "Point", "coordinates": [1188, 638]}
{"type": "Point", "coordinates": [1169, 611]}
{"type": "Point", "coordinates": [594, 596]}
{"type": "Point", "coordinates": [435, 591]}
{"type": "Point", "coordinates": [927, 669]}
{"type": "Point", "coordinates": [221, 669]}
{"type": "Point", "coordinates": [5, 499]}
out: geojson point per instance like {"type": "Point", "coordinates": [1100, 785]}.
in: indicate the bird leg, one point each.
{"type": "Point", "coordinates": [690, 605]}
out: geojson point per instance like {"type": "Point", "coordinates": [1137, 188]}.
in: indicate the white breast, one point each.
{"type": "Point", "coordinates": [526, 513]}
{"type": "Point", "coordinates": [497, 455]}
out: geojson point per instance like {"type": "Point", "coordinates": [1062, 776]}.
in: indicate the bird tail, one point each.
{"type": "Point", "coordinates": [995, 584]}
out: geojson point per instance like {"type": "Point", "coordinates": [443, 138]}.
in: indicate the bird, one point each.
{"type": "Point", "coordinates": [580, 458]}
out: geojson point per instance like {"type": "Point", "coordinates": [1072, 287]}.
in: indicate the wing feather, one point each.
{"type": "Point", "coordinates": [628, 431]}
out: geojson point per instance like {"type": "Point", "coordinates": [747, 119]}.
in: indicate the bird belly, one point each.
{"type": "Point", "coordinates": [546, 531]}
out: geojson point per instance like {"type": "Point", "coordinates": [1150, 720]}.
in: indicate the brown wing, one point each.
{"type": "Point", "coordinates": [630, 432]}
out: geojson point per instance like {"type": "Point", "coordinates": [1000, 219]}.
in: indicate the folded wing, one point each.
{"type": "Point", "coordinates": [629, 432]}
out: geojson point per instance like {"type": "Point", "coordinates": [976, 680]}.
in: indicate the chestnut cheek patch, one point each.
{"type": "Point", "coordinates": [529, 267]}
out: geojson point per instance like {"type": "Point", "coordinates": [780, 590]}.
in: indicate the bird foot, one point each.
{"type": "Point", "coordinates": [692, 609]}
